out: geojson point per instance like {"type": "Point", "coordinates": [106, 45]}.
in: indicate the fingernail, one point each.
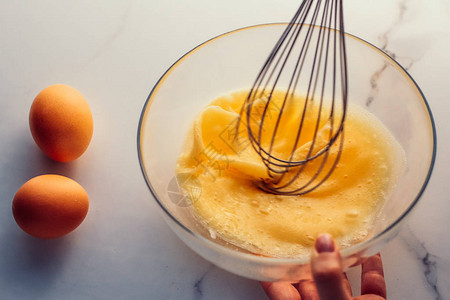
{"type": "Point", "coordinates": [324, 243]}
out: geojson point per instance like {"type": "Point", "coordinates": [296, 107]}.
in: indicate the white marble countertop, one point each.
{"type": "Point", "coordinates": [113, 52]}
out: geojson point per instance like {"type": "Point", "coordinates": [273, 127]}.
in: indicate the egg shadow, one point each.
{"type": "Point", "coordinates": [28, 161]}
{"type": "Point", "coordinates": [29, 264]}
{"type": "Point", "coordinates": [33, 264]}
{"type": "Point", "coordinates": [43, 254]}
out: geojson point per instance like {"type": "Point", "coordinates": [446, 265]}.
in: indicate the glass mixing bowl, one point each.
{"type": "Point", "coordinates": [231, 62]}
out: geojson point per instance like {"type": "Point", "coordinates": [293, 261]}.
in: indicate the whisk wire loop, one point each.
{"type": "Point", "coordinates": [310, 59]}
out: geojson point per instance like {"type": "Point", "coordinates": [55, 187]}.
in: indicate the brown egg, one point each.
{"type": "Point", "coordinates": [61, 122]}
{"type": "Point", "coordinates": [50, 206]}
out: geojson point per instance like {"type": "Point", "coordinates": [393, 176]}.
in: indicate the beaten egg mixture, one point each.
{"type": "Point", "coordinates": [229, 172]}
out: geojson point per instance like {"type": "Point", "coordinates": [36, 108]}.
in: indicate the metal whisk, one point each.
{"type": "Point", "coordinates": [308, 59]}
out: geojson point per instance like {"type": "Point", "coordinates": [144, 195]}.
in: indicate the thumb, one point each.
{"type": "Point", "coordinates": [326, 267]}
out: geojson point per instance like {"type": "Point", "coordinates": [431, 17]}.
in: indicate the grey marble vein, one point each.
{"type": "Point", "coordinates": [384, 39]}
{"type": "Point", "coordinates": [374, 84]}
{"type": "Point", "coordinates": [411, 62]}
{"type": "Point", "coordinates": [198, 285]}
{"type": "Point", "coordinates": [385, 36]}
{"type": "Point", "coordinates": [407, 62]}
{"type": "Point", "coordinates": [428, 260]}
{"type": "Point", "coordinates": [430, 271]}
{"type": "Point", "coordinates": [117, 32]}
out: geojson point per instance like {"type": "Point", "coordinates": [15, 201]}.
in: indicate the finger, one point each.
{"type": "Point", "coordinates": [308, 290]}
{"type": "Point", "coordinates": [372, 277]}
{"type": "Point", "coordinates": [327, 271]}
{"type": "Point", "coordinates": [280, 291]}
{"type": "Point", "coordinates": [326, 244]}
{"type": "Point", "coordinates": [369, 297]}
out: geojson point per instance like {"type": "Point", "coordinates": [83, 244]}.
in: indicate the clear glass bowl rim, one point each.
{"type": "Point", "coordinates": [273, 260]}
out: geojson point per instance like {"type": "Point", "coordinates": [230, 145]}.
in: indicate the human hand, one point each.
{"type": "Point", "coordinates": [329, 281]}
